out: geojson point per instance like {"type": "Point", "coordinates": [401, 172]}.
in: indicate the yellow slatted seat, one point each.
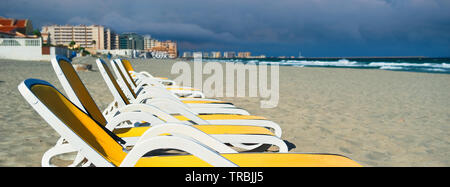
{"type": "Point", "coordinates": [91, 132]}
{"type": "Point", "coordinates": [176, 88]}
{"type": "Point", "coordinates": [202, 102]}
{"type": "Point", "coordinates": [254, 160]}
{"type": "Point", "coordinates": [208, 129]}
{"type": "Point", "coordinates": [222, 117]}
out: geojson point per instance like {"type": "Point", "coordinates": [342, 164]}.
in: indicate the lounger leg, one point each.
{"type": "Point", "coordinates": [247, 147]}
{"type": "Point", "coordinates": [54, 151]}
{"type": "Point", "coordinates": [78, 160]}
{"type": "Point", "coordinates": [258, 141]}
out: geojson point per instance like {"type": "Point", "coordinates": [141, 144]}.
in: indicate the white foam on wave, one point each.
{"type": "Point", "coordinates": [391, 68]}
{"type": "Point", "coordinates": [430, 67]}
{"type": "Point", "coordinates": [396, 64]}
{"type": "Point", "coordinates": [339, 63]}
{"type": "Point", "coordinates": [436, 69]}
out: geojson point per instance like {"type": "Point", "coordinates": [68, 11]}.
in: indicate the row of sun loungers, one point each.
{"type": "Point", "coordinates": [151, 116]}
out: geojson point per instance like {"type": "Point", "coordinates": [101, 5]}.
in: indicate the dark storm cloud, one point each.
{"type": "Point", "coordinates": [316, 27]}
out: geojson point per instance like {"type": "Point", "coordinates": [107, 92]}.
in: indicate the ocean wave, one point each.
{"type": "Point", "coordinates": [342, 62]}
{"type": "Point", "coordinates": [394, 66]}
{"type": "Point", "coordinates": [345, 63]}
{"type": "Point", "coordinates": [434, 65]}
{"type": "Point", "coordinates": [437, 69]}
{"type": "Point", "coordinates": [391, 68]}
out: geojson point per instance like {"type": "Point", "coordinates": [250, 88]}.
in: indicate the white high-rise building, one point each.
{"type": "Point", "coordinates": [229, 54]}
{"type": "Point", "coordinates": [93, 36]}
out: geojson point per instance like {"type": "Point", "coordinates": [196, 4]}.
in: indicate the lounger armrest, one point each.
{"type": "Point", "coordinates": [220, 111]}
{"type": "Point", "coordinates": [168, 105]}
{"type": "Point", "coordinates": [192, 93]}
{"type": "Point", "coordinates": [148, 82]}
{"type": "Point", "coordinates": [171, 82]}
{"type": "Point", "coordinates": [110, 109]}
{"type": "Point", "coordinates": [149, 109]}
{"type": "Point", "coordinates": [201, 94]}
{"type": "Point", "coordinates": [184, 87]}
{"type": "Point", "coordinates": [127, 116]}
{"type": "Point", "coordinates": [174, 142]}
{"type": "Point", "coordinates": [146, 74]}
{"type": "Point", "coordinates": [153, 92]}
{"type": "Point", "coordinates": [172, 108]}
{"type": "Point", "coordinates": [144, 97]}
{"type": "Point", "coordinates": [187, 131]}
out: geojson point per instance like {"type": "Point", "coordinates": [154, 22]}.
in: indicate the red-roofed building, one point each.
{"type": "Point", "coordinates": [18, 42]}
{"type": "Point", "coordinates": [17, 27]}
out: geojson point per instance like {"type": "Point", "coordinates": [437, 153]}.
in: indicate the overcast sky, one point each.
{"type": "Point", "coordinates": [271, 27]}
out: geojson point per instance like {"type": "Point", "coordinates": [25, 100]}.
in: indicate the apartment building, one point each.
{"type": "Point", "coordinates": [111, 39]}
{"type": "Point", "coordinates": [244, 55]}
{"type": "Point", "coordinates": [187, 54]}
{"type": "Point", "coordinates": [149, 42]}
{"type": "Point", "coordinates": [131, 40]}
{"type": "Point", "coordinates": [165, 46]}
{"type": "Point", "coordinates": [216, 54]}
{"type": "Point", "coordinates": [229, 54]}
{"type": "Point", "coordinates": [94, 36]}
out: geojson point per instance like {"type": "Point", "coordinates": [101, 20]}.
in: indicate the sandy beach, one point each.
{"type": "Point", "coordinates": [376, 117]}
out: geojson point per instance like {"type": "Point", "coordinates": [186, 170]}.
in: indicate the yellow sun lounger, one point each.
{"type": "Point", "coordinates": [144, 92]}
{"type": "Point", "coordinates": [130, 89]}
{"type": "Point", "coordinates": [136, 76]}
{"type": "Point", "coordinates": [234, 134]}
{"type": "Point", "coordinates": [129, 136]}
{"type": "Point", "coordinates": [78, 94]}
{"type": "Point", "coordinates": [124, 77]}
{"type": "Point", "coordinates": [173, 107]}
{"type": "Point", "coordinates": [102, 148]}
{"type": "Point", "coordinates": [143, 74]}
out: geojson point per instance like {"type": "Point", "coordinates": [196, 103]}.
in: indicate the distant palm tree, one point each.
{"type": "Point", "coordinates": [72, 43]}
{"type": "Point", "coordinates": [37, 32]}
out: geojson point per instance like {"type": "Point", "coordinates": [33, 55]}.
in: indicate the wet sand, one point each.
{"type": "Point", "coordinates": [376, 117]}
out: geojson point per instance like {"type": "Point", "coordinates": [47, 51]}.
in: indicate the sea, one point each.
{"type": "Point", "coordinates": [423, 65]}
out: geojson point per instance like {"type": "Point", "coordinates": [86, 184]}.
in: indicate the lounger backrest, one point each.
{"type": "Point", "coordinates": [127, 65]}
{"type": "Point", "coordinates": [122, 79]}
{"type": "Point", "coordinates": [123, 64]}
{"type": "Point", "coordinates": [115, 89]}
{"type": "Point", "coordinates": [60, 113]}
{"type": "Point", "coordinates": [75, 88]}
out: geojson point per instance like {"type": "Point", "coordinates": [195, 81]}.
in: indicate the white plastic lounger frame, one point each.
{"type": "Point", "coordinates": [156, 95]}
{"type": "Point", "coordinates": [179, 91]}
{"type": "Point", "coordinates": [174, 129]}
{"type": "Point", "coordinates": [141, 82]}
{"type": "Point", "coordinates": [100, 148]}
{"type": "Point", "coordinates": [154, 110]}
{"type": "Point", "coordinates": [192, 116]}
{"type": "Point", "coordinates": [148, 110]}
{"type": "Point", "coordinates": [137, 76]}
{"type": "Point", "coordinates": [147, 91]}
{"type": "Point", "coordinates": [151, 114]}
{"type": "Point", "coordinates": [144, 81]}
{"type": "Point", "coordinates": [150, 141]}
{"type": "Point", "coordinates": [120, 64]}
{"type": "Point", "coordinates": [160, 98]}
{"type": "Point", "coordinates": [154, 92]}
